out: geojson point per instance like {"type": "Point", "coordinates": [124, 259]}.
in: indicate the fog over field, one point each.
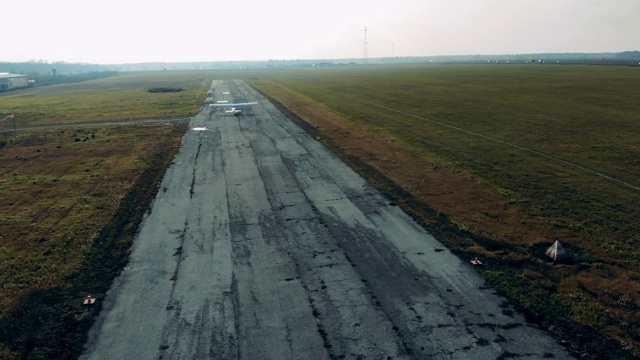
{"type": "Point", "coordinates": [120, 31]}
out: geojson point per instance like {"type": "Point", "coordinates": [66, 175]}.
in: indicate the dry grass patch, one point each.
{"type": "Point", "coordinates": [58, 195]}
{"type": "Point", "coordinates": [74, 196]}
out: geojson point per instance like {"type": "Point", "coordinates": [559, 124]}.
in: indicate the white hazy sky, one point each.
{"type": "Point", "coordinates": [131, 31]}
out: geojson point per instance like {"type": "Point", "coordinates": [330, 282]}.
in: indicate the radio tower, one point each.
{"type": "Point", "coordinates": [365, 55]}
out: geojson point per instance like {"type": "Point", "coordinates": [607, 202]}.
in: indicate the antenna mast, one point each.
{"type": "Point", "coordinates": [365, 55]}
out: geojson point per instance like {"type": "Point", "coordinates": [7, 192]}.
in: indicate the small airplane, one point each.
{"type": "Point", "coordinates": [234, 107]}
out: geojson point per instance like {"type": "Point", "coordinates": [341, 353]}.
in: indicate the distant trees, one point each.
{"type": "Point", "coordinates": [62, 68]}
{"type": "Point", "coordinates": [48, 73]}
{"type": "Point", "coordinates": [628, 55]}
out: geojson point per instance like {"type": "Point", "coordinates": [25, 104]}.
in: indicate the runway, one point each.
{"type": "Point", "coordinates": [262, 244]}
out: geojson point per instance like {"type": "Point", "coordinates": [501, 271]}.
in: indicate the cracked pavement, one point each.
{"type": "Point", "coordinates": [262, 244]}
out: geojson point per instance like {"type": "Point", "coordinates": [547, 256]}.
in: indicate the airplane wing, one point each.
{"type": "Point", "coordinates": [233, 105]}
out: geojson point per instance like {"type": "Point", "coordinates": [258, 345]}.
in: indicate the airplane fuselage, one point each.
{"type": "Point", "coordinates": [235, 112]}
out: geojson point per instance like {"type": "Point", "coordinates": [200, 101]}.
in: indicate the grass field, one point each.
{"type": "Point", "coordinates": [72, 197]}
{"type": "Point", "coordinates": [114, 98]}
{"type": "Point", "coordinates": [514, 157]}
{"type": "Point", "coordinates": [497, 161]}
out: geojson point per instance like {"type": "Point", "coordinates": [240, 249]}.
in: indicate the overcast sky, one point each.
{"type": "Point", "coordinates": [132, 31]}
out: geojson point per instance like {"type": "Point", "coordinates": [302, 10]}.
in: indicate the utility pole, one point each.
{"type": "Point", "coordinates": [365, 55]}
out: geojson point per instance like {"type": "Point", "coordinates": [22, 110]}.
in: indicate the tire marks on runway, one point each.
{"type": "Point", "coordinates": [346, 320]}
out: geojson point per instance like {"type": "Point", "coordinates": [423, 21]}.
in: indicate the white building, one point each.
{"type": "Point", "coordinates": [12, 81]}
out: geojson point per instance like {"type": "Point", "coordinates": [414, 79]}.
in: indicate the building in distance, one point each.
{"type": "Point", "coordinates": [12, 81]}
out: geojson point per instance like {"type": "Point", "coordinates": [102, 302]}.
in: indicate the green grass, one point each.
{"type": "Point", "coordinates": [61, 200]}
{"type": "Point", "coordinates": [561, 137]}
{"type": "Point", "coordinates": [559, 142]}
{"type": "Point", "coordinates": [116, 98]}
{"type": "Point", "coordinates": [72, 198]}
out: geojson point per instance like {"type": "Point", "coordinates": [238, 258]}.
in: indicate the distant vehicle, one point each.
{"type": "Point", "coordinates": [234, 107]}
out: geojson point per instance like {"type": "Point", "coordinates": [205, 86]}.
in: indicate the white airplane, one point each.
{"type": "Point", "coordinates": [234, 107]}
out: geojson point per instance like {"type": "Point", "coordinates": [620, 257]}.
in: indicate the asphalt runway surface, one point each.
{"type": "Point", "coordinates": [262, 244]}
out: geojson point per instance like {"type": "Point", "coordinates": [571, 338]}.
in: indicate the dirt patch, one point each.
{"type": "Point", "coordinates": [165, 90]}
